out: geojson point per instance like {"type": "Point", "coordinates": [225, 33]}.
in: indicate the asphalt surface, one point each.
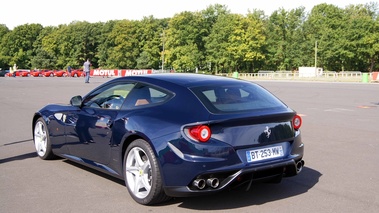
{"type": "Point", "coordinates": [340, 131]}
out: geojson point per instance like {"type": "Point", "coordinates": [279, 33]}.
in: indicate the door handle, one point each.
{"type": "Point", "coordinates": [109, 123]}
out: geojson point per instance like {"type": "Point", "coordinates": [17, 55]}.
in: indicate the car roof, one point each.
{"type": "Point", "coordinates": [185, 79]}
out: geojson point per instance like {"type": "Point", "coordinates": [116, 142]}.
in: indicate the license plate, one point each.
{"type": "Point", "coordinates": [263, 154]}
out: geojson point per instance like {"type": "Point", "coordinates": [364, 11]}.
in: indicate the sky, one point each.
{"type": "Point", "coordinates": [55, 12]}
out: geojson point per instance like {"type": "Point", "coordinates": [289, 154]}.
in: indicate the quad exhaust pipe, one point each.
{"type": "Point", "coordinates": [202, 183]}
{"type": "Point", "coordinates": [213, 182]}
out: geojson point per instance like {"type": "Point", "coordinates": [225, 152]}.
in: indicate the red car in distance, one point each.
{"type": "Point", "coordinates": [47, 73]}
{"type": "Point", "coordinates": [60, 73]}
{"type": "Point", "coordinates": [77, 73]}
{"type": "Point", "coordinates": [19, 73]}
{"type": "Point", "coordinates": [36, 73]}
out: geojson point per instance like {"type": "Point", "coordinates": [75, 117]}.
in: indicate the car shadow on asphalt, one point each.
{"type": "Point", "coordinates": [19, 157]}
{"type": "Point", "coordinates": [18, 142]}
{"type": "Point", "coordinates": [258, 194]}
{"type": "Point", "coordinates": [94, 171]}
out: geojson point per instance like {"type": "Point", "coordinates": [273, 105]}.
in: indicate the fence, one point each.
{"type": "Point", "coordinates": [345, 76]}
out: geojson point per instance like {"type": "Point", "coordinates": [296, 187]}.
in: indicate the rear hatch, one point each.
{"type": "Point", "coordinates": [250, 131]}
{"type": "Point", "coordinates": [246, 115]}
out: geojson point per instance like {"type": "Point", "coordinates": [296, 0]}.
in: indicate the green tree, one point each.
{"type": "Point", "coordinates": [151, 38]}
{"type": "Point", "coordinates": [3, 30]}
{"type": "Point", "coordinates": [3, 57]}
{"type": "Point", "coordinates": [210, 16]}
{"type": "Point", "coordinates": [363, 36]}
{"type": "Point", "coordinates": [254, 40]}
{"type": "Point", "coordinates": [235, 42]}
{"type": "Point", "coordinates": [218, 41]}
{"type": "Point", "coordinates": [104, 44]}
{"type": "Point", "coordinates": [124, 49]}
{"type": "Point", "coordinates": [18, 44]}
{"type": "Point", "coordinates": [79, 42]}
{"type": "Point", "coordinates": [212, 39]}
{"type": "Point", "coordinates": [42, 58]}
{"type": "Point", "coordinates": [328, 26]}
{"type": "Point", "coordinates": [184, 41]}
{"type": "Point", "coordinates": [285, 36]}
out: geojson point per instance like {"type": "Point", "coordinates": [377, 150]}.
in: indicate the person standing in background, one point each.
{"type": "Point", "coordinates": [69, 71]}
{"type": "Point", "coordinates": [13, 70]}
{"type": "Point", "coordinates": [86, 69]}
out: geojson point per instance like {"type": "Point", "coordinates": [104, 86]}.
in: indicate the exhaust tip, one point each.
{"type": "Point", "coordinates": [213, 182]}
{"type": "Point", "coordinates": [199, 183]}
{"type": "Point", "coordinates": [299, 166]}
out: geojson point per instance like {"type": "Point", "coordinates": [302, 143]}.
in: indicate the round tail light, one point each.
{"type": "Point", "coordinates": [201, 133]}
{"type": "Point", "coordinates": [297, 121]}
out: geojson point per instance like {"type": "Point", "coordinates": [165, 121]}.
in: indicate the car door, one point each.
{"type": "Point", "coordinates": [90, 137]}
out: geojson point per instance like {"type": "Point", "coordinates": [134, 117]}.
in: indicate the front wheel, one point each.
{"type": "Point", "coordinates": [42, 140]}
{"type": "Point", "coordinates": [142, 174]}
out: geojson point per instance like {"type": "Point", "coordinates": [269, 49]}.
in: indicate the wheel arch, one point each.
{"type": "Point", "coordinates": [129, 139]}
{"type": "Point", "coordinates": [35, 118]}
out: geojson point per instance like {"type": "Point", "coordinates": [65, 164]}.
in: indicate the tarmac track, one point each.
{"type": "Point", "coordinates": [340, 131]}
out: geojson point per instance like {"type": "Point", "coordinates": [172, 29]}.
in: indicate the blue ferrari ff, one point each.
{"type": "Point", "coordinates": [173, 135]}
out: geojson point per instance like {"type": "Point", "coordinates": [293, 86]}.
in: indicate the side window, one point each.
{"type": "Point", "coordinates": [145, 95]}
{"type": "Point", "coordinates": [211, 95]}
{"type": "Point", "coordinates": [110, 97]}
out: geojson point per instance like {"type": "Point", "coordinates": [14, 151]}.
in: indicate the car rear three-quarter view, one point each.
{"type": "Point", "coordinates": [175, 135]}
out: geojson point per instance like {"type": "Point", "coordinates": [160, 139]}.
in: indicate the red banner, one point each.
{"type": "Point", "coordinates": [118, 73]}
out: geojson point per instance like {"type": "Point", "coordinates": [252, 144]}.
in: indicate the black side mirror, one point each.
{"type": "Point", "coordinates": [76, 101]}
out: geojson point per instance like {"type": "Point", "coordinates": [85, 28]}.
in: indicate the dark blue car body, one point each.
{"type": "Point", "coordinates": [247, 141]}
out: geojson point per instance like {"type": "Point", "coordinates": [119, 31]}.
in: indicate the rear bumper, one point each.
{"type": "Point", "coordinates": [280, 169]}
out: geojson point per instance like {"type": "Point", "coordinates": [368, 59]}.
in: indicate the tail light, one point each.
{"type": "Point", "coordinates": [297, 121]}
{"type": "Point", "coordinates": [200, 133]}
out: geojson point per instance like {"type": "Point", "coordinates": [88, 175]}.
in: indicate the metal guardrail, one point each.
{"type": "Point", "coordinates": [345, 76]}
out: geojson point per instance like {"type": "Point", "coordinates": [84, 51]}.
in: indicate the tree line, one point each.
{"type": "Point", "coordinates": [211, 40]}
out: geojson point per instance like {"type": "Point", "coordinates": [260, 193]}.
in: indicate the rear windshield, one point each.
{"type": "Point", "coordinates": [235, 98]}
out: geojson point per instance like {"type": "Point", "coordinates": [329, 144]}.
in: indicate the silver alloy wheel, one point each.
{"type": "Point", "coordinates": [40, 138]}
{"type": "Point", "coordinates": [138, 172]}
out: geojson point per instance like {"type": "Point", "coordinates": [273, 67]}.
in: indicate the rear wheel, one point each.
{"type": "Point", "coordinates": [142, 174]}
{"type": "Point", "coordinates": [42, 140]}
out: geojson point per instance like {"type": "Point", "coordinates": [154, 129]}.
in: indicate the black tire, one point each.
{"type": "Point", "coordinates": [42, 141]}
{"type": "Point", "coordinates": [142, 174]}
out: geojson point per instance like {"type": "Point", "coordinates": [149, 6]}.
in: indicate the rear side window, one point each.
{"type": "Point", "coordinates": [235, 98]}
